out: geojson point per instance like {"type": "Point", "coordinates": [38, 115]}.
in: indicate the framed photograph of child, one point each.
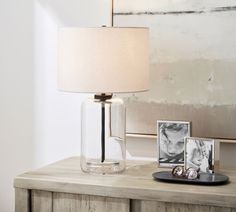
{"type": "Point", "coordinates": [199, 154]}
{"type": "Point", "coordinates": [170, 142]}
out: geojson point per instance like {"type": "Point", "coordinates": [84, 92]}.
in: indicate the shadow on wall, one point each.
{"type": "Point", "coordinates": [57, 114]}
{"type": "Point", "coordinates": [16, 92]}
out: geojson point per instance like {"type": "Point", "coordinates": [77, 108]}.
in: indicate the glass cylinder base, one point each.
{"type": "Point", "coordinates": [93, 166]}
{"type": "Point", "coordinates": [103, 149]}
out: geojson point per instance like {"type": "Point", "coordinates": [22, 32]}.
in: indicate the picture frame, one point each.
{"type": "Point", "coordinates": [200, 154]}
{"type": "Point", "coordinates": [179, 67]}
{"type": "Point", "coordinates": [170, 142]}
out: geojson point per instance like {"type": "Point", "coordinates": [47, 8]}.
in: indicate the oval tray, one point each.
{"type": "Point", "coordinates": [204, 179]}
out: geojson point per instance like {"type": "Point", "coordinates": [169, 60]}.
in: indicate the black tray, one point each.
{"type": "Point", "coordinates": [204, 179]}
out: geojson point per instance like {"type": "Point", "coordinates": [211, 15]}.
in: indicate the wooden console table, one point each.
{"type": "Point", "coordinates": [63, 187]}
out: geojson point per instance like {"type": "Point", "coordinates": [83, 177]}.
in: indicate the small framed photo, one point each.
{"type": "Point", "coordinates": [170, 142]}
{"type": "Point", "coordinates": [199, 153]}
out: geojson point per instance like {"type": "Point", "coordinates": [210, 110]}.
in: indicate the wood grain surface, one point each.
{"type": "Point", "coordinates": [154, 206]}
{"type": "Point", "coordinates": [135, 183]}
{"type": "Point", "coordinates": [22, 200]}
{"type": "Point", "coordinates": [64, 202]}
{"type": "Point", "coordinates": [41, 201]}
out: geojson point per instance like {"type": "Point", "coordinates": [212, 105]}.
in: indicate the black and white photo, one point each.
{"type": "Point", "coordinates": [199, 154]}
{"type": "Point", "coordinates": [170, 141]}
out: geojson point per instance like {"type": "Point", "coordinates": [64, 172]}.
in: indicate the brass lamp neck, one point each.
{"type": "Point", "coordinates": [103, 96]}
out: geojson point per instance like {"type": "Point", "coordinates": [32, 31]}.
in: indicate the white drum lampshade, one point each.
{"type": "Point", "coordinates": [103, 61]}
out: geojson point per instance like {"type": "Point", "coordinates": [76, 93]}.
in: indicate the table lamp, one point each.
{"type": "Point", "coordinates": [103, 61]}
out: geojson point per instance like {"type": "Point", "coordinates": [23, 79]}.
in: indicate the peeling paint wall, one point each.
{"type": "Point", "coordinates": [193, 60]}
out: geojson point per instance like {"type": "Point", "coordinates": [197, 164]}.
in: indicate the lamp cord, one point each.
{"type": "Point", "coordinates": [103, 132]}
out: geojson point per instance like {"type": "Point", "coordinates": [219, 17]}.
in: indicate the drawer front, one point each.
{"type": "Point", "coordinates": [64, 202]}
{"type": "Point", "coordinates": [154, 206]}
{"type": "Point", "coordinates": [43, 201]}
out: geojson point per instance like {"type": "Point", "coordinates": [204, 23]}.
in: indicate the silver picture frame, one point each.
{"type": "Point", "coordinates": [170, 142]}
{"type": "Point", "coordinates": [200, 154]}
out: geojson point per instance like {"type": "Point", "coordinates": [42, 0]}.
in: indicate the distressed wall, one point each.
{"type": "Point", "coordinates": [193, 60]}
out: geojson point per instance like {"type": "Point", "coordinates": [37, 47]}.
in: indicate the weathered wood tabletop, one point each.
{"type": "Point", "coordinates": [135, 183]}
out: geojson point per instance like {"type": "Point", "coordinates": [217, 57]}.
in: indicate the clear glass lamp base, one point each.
{"type": "Point", "coordinates": [103, 146]}
{"type": "Point", "coordinates": [106, 167]}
